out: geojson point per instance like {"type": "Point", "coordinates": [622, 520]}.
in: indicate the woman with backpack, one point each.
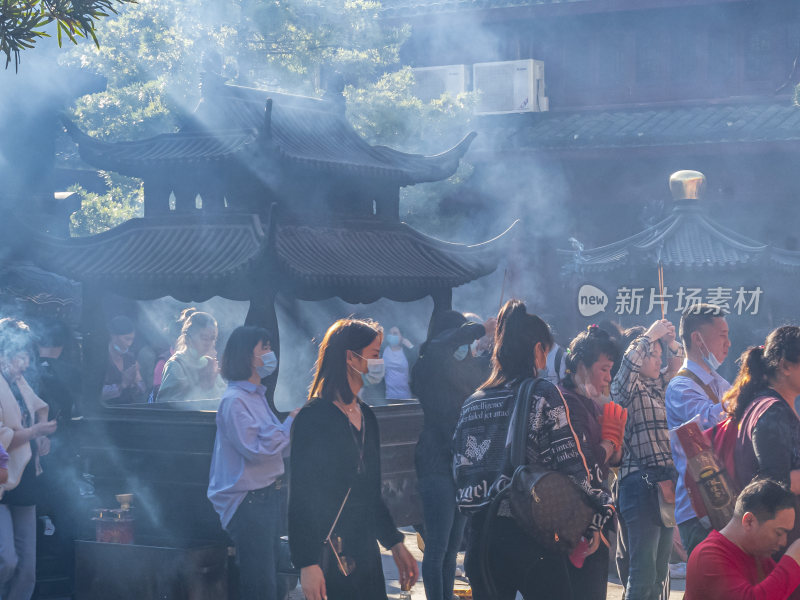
{"type": "Point", "coordinates": [761, 404]}
{"type": "Point", "coordinates": [510, 561]}
{"type": "Point", "coordinates": [600, 425]}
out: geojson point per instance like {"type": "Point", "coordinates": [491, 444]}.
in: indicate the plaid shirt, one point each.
{"type": "Point", "coordinates": [646, 432]}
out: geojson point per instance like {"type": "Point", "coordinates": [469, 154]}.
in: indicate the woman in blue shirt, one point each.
{"type": "Point", "coordinates": [247, 465]}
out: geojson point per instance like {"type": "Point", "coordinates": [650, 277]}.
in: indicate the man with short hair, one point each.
{"type": "Point", "coordinates": [696, 390]}
{"type": "Point", "coordinates": [735, 563]}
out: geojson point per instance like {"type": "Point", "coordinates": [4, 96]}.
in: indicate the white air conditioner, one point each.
{"type": "Point", "coordinates": [432, 82]}
{"type": "Point", "coordinates": [510, 87]}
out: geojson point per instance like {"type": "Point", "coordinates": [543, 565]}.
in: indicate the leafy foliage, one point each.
{"type": "Point", "coordinates": [153, 54]}
{"type": "Point", "coordinates": [124, 200]}
{"type": "Point", "coordinates": [23, 22]}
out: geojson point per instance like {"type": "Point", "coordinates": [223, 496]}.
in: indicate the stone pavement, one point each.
{"type": "Point", "coordinates": [418, 592]}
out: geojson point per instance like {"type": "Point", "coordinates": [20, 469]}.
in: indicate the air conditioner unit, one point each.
{"type": "Point", "coordinates": [432, 82]}
{"type": "Point", "coordinates": [514, 86]}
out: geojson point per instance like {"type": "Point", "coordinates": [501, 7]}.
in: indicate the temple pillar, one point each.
{"type": "Point", "coordinates": [95, 349]}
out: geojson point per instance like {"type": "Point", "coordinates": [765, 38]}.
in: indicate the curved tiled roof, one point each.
{"type": "Point", "coordinates": [686, 239]}
{"type": "Point", "coordinates": [193, 258]}
{"type": "Point", "coordinates": [414, 8]}
{"type": "Point", "coordinates": [146, 258]}
{"type": "Point", "coordinates": [247, 124]}
{"type": "Point", "coordinates": [379, 258]}
{"type": "Point", "coordinates": [646, 127]}
{"type": "Point", "coordinates": [155, 151]}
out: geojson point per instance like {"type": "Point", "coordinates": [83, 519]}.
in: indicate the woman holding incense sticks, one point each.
{"type": "Point", "coordinates": [599, 424]}
{"type": "Point", "coordinates": [647, 474]}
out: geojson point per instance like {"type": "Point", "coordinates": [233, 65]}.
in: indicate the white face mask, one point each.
{"type": "Point", "coordinates": [375, 370]}
{"type": "Point", "coordinates": [709, 359]}
{"type": "Point", "coordinates": [270, 364]}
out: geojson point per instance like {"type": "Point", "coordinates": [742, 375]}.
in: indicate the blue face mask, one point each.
{"type": "Point", "coordinates": [710, 359]}
{"type": "Point", "coordinates": [270, 364]}
{"type": "Point", "coordinates": [393, 339]}
{"type": "Point", "coordinates": [461, 352]}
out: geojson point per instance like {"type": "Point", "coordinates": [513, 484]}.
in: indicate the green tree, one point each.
{"type": "Point", "coordinates": [99, 212]}
{"type": "Point", "coordinates": [153, 56]}
{"type": "Point", "coordinates": [23, 22]}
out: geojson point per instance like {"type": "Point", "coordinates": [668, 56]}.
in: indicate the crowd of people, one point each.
{"type": "Point", "coordinates": [604, 421]}
{"type": "Point", "coordinates": [602, 412]}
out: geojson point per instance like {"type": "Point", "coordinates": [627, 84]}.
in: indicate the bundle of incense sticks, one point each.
{"type": "Point", "coordinates": [661, 286]}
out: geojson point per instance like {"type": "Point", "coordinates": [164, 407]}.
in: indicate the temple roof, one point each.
{"type": "Point", "coordinates": [176, 255]}
{"type": "Point", "coordinates": [421, 8]}
{"type": "Point", "coordinates": [366, 259]}
{"type": "Point", "coordinates": [686, 239]}
{"type": "Point", "coordinates": [195, 258]}
{"type": "Point", "coordinates": [646, 127]}
{"type": "Point", "coordinates": [239, 123]}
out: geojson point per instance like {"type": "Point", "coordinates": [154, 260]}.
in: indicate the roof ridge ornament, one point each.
{"type": "Point", "coordinates": [687, 185]}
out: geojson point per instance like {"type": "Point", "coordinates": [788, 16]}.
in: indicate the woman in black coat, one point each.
{"type": "Point", "coordinates": [336, 512]}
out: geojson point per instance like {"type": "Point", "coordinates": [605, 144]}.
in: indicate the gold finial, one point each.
{"type": "Point", "coordinates": [687, 185]}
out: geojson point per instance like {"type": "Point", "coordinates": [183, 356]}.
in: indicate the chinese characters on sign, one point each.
{"type": "Point", "coordinates": [637, 301]}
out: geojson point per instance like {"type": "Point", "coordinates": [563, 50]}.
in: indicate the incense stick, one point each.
{"type": "Point", "coordinates": [503, 289]}
{"type": "Point", "coordinates": [661, 287]}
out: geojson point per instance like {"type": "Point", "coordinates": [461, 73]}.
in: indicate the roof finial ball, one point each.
{"type": "Point", "coordinates": [687, 185]}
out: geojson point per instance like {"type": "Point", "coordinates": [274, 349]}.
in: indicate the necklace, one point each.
{"type": "Point", "coordinates": [348, 409]}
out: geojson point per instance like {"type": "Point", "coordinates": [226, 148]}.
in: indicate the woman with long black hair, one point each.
{"type": "Point", "coordinates": [761, 403]}
{"type": "Point", "coordinates": [517, 563]}
{"type": "Point", "coordinates": [336, 512]}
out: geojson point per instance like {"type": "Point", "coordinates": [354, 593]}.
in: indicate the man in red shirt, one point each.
{"type": "Point", "coordinates": [735, 563]}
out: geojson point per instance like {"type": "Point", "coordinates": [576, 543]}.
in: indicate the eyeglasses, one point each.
{"type": "Point", "coordinates": [345, 564]}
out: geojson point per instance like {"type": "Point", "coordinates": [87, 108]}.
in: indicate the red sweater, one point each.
{"type": "Point", "coordinates": [719, 570]}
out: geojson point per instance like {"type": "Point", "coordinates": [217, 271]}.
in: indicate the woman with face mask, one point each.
{"type": "Point", "coordinates": [336, 513]}
{"type": "Point", "coordinates": [398, 356]}
{"type": "Point", "coordinates": [246, 479]}
{"type": "Point", "coordinates": [443, 377]}
{"type": "Point", "coordinates": [24, 427]}
{"type": "Point", "coordinates": [590, 357]}
{"type": "Point", "coordinates": [648, 471]}
{"type": "Point", "coordinates": [192, 373]}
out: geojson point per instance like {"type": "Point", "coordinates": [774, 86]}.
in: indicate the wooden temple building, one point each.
{"type": "Point", "coordinates": [258, 194]}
